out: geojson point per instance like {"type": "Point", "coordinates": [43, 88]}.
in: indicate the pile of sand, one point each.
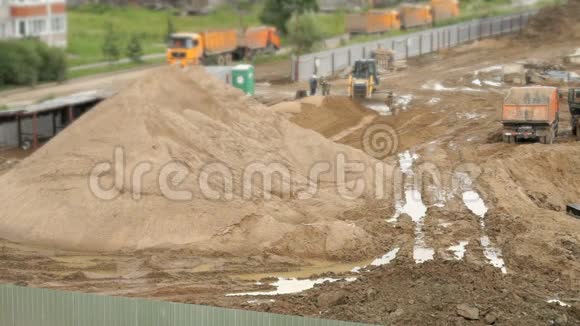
{"type": "Point", "coordinates": [328, 116]}
{"type": "Point", "coordinates": [193, 119]}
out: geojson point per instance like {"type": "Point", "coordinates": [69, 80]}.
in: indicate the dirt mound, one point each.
{"type": "Point", "coordinates": [427, 295]}
{"type": "Point", "coordinates": [555, 22]}
{"type": "Point", "coordinates": [176, 136]}
{"type": "Point", "coordinates": [331, 116]}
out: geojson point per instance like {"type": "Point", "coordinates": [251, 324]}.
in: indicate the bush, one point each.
{"type": "Point", "coordinates": [26, 62]}
{"type": "Point", "coordinates": [110, 46]}
{"type": "Point", "coordinates": [278, 12]}
{"type": "Point", "coordinates": [134, 50]}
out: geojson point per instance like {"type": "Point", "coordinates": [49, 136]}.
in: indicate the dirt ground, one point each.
{"type": "Point", "coordinates": [447, 122]}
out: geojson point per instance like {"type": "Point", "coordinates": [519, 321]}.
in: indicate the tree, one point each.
{"type": "Point", "coordinates": [303, 32]}
{"type": "Point", "coordinates": [110, 47]}
{"type": "Point", "coordinates": [279, 12]}
{"type": "Point", "coordinates": [134, 49]}
{"type": "Point", "coordinates": [170, 29]}
{"type": "Point", "coordinates": [243, 7]}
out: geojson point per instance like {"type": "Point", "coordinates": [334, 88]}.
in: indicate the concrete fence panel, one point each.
{"type": "Point", "coordinates": [408, 45]}
{"type": "Point", "coordinates": [20, 306]}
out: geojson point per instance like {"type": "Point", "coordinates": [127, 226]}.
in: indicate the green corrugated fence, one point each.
{"type": "Point", "coordinates": [21, 306]}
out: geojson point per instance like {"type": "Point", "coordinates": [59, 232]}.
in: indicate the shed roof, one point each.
{"type": "Point", "coordinates": [57, 103]}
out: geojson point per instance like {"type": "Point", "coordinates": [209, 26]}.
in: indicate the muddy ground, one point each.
{"type": "Point", "coordinates": [450, 124]}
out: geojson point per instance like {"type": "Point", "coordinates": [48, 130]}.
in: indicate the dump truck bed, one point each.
{"type": "Point", "coordinates": [257, 37]}
{"type": "Point", "coordinates": [444, 9]}
{"type": "Point", "coordinates": [216, 42]}
{"type": "Point", "coordinates": [415, 15]}
{"type": "Point", "coordinates": [531, 105]}
{"type": "Point", "coordinates": [376, 21]}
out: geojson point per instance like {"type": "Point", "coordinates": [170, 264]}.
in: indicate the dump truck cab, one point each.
{"type": "Point", "coordinates": [574, 105]}
{"type": "Point", "coordinates": [363, 79]}
{"type": "Point", "coordinates": [185, 49]}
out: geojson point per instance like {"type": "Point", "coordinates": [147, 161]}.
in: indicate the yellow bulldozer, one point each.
{"type": "Point", "coordinates": [363, 79]}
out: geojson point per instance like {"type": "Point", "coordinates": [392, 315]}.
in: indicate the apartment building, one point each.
{"type": "Point", "coordinates": [45, 19]}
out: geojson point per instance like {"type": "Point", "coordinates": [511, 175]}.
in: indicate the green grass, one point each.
{"type": "Point", "coordinates": [112, 68]}
{"type": "Point", "coordinates": [86, 27]}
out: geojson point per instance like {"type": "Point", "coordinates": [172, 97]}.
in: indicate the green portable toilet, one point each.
{"type": "Point", "coordinates": [243, 78]}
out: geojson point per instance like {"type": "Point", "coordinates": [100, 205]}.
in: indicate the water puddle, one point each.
{"type": "Point", "coordinates": [380, 108]}
{"type": "Point", "coordinates": [434, 101]}
{"type": "Point", "coordinates": [381, 261]}
{"type": "Point", "coordinates": [459, 250]}
{"type": "Point", "coordinates": [492, 254]}
{"type": "Point", "coordinates": [414, 207]}
{"type": "Point", "coordinates": [436, 86]}
{"type": "Point", "coordinates": [313, 267]}
{"type": "Point", "coordinates": [291, 285]}
{"type": "Point", "coordinates": [560, 303]}
{"type": "Point", "coordinates": [403, 101]}
{"type": "Point", "coordinates": [422, 253]}
{"type": "Point", "coordinates": [476, 205]}
{"type": "Point", "coordinates": [469, 115]}
{"type": "Point", "coordinates": [493, 83]}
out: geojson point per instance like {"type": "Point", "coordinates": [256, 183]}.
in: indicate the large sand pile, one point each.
{"type": "Point", "coordinates": [173, 116]}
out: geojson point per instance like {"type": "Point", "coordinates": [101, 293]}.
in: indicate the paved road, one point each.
{"type": "Point", "coordinates": [106, 81]}
{"type": "Point", "coordinates": [106, 63]}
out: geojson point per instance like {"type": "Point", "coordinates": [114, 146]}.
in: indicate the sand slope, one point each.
{"type": "Point", "coordinates": [187, 117]}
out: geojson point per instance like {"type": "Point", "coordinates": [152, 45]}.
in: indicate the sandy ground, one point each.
{"type": "Point", "coordinates": [445, 128]}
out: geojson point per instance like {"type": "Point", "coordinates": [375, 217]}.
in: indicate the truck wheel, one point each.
{"type": "Point", "coordinates": [228, 59]}
{"type": "Point", "coordinates": [578, 130]}
{"type": "Point", "coordinates": [221, 60]}
{"type": "Point", "coordinates": [506, 139]}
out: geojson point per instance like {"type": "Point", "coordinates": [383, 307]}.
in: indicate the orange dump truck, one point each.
{"type": "Point", "coordinates": [415, 15]}
{"type": "Point", "coordinates": [444, 9]}
{"type": "Point", "coordinates": [374, 21]}
{"type": "Point", "coordinates": [261, 38]}
{"type": "Point", "coordinates": [220, 47]}
{"type": "Point", "coordinates": [531, 113]}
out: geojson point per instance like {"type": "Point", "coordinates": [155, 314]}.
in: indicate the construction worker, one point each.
{"type": "Point", "coordinates": [389, 101]}
{"type": "Point", "coordinates": [313, 85]}
{"type": "Point", "coordinates": [325, 85]}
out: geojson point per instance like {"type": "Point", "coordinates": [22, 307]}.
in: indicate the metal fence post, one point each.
{"type": "Point", "coordinates": [431, 44]}
{"type": "Point", "coordinates": [332, 61]}
{"type": "Point", "coordinates": [449, 37]}
{"type": "Point", "coordinates": [469, 32]}
{"type": "Point", "coordinates": [295, 67]}
{"type": "Point", "coordinates": [364, 52]}
{"type": "Point", "coordinates": [406, 48]}
{"type": "Point", "coordinates": [349, 58]}
{"type": "Point", "coordinates": [420, 44]}
{"type": "Point", "coordinates": [314, 65]}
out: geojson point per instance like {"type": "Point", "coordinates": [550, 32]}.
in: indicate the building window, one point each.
{"type": "Point", "coordinates": [22, 28]}
{"type": "Point", "coordinates": [57, 24]}
{"type": "Point", "coordinates": [38, 26]}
